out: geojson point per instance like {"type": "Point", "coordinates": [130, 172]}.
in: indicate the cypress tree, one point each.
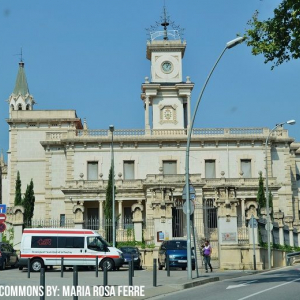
{"type": "Point", "coordinates": [108, 207]}
{"type": "Point", "coordinates": [261, 198]}
{"type": "Point", "coordinates": [28, 203]}
{"type": "Point", "coordinates": [18, 194]}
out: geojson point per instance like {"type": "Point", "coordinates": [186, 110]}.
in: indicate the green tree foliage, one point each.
{"type": "Point", "coordinates": [109, 197]}
{"type": "Point", "coordinates": [277, 38]}
{"type": "Point", "coordinates": [261, 198]}
{"type": "Point", "coordinates": [108, 207]}
{"type": "Point", "coordinates": [28, 203]}
{"type": "Point", "coordinates": [18, 194]}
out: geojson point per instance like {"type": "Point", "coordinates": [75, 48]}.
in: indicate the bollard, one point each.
{"type": "Point", "coordinates": [154, 272]}
{"type": "Point", "coordinates": [28, 268]}
{"type": "Point", "coordinates": [97, 266]}
{"type": "Point", "coordinates": [42, 283]}
{"type": "Point", "coordinates": [130, 273]}
{"type": "Point", "coordinates": [62, 267]}
{"type": "Point", "coordinates": [104, 274]}
{"type": "Point", "coordinates": [168, 265]}
{"type": "Point", "coordinates": [75, 280]}
{"type": "Point", "coordinates": [132, 265]}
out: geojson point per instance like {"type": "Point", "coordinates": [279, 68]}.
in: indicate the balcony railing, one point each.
{"type": "Point", "coordinates": [197, 132]}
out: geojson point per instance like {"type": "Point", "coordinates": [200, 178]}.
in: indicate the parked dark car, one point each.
{"type": "Point", "coordinates": [177, 252]}
{"type": "Point", "coordinates": [128, 252]}
{"type": "Point", "coordinates": [8, 256]}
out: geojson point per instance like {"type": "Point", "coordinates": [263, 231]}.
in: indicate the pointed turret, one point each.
{"type": "Point", "coordinates": [21, 87]}
{"type": "Point", "coordinates": [20, 99]}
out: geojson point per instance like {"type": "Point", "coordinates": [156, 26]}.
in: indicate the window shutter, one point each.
{"type": "Point", "coordinates": [92, 170]}
{"type": "Point", "coordinates": [128, 170]}
{"type": "Point", "coordinates": [210, 169]}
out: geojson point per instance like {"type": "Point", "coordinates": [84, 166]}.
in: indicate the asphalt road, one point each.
{"type": "Point", "coordinates": [283, 284]}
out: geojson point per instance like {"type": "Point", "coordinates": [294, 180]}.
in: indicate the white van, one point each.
{"type": "Point", "coordinates": [46, 247]}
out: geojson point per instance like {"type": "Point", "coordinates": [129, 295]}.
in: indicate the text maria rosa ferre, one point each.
{"type": "Point", "coordinates": [83, 291]}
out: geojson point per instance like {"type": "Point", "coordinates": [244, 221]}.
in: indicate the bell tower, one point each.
{"type": "Point", "coordinates": [166, 92]}
{"type": "Point", "coordinates": [20, 99]}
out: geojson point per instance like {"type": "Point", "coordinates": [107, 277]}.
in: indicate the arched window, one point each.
{"type": "Point", "coordinates": [12, 107]}
{"type": "Point", "coordinates": [19, 106]}
{"type": "Point", "coordinates": [27, 107]}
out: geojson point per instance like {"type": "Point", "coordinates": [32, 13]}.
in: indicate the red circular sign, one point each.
{"type": "Point", "coordinates": [2, 218]}
{"type": "Point", "coordinates": [2, 227]}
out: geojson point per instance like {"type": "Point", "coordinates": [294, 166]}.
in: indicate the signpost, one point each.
{"type": "Point", "coordinates": [2, 227]}
{"type": "Point", "coordinates": [2, 218]}
{"type": "Point", "coordinates": [2, 208]}
{"type": "Point", "coordinates": [192, 193]}
{"type": "Point", "coordinates": [253, 224]}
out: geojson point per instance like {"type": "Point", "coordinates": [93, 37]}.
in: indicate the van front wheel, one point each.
{"type": "Point", "coordinates": [36, 265]}
{"type": "Point", "coordinates": [108, 263]}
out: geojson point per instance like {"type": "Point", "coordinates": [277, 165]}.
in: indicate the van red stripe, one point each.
{"type": "Point", "coordinates": [57, 231]}
{"type": "Point", "coordinates": [67, 256]}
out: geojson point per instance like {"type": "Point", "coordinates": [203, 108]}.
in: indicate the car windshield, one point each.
{"type": "Point", "coordinates": [176, 245]}
{"type": "Point", "coordinates": [129, 250]}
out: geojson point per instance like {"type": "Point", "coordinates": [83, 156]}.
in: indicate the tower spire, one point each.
{"type": "Point", "coordinates": [175, 33]}
{"type": "Point", "coordinates": [21, 86]}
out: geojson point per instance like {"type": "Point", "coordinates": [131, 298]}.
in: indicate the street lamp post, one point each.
{"type": "Point", "coordinates": [229, 45]}
{"type": "Point", "coordinates": [290, 122]}
{"type": "Point", "coordinates": [112, 128]}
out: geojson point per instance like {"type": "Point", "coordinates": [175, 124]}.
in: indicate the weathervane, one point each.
{"type": "Point", "coordinates": [21, 55]}
{"type": "Point", "coordinates": [154, 33]}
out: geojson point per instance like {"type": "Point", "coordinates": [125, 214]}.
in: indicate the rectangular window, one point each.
{"type": "Point", "coordinates": [127, 217]}
{"type": "Point", "coordinates": [128, 169]}
{"type": "Point", "coordinates": [210, 168]}
{"type": "Point", "coordinates": [70, 242]}
{"type": "Point", "coordinates": [62, 220]}
{"type": "Point", "coordinates": [246, 167]}
{"type": "Point", "coordinates": [44, 242]}
{"type": "Point", "coordinates": [92, 170]}
{"type": "Point", "coordinates": [170, 167]}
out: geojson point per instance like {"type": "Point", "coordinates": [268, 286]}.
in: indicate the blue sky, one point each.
{"type": "Point", "coordinates": [91, 56]}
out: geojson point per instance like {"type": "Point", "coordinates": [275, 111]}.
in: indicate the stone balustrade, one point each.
{"type": "Point", "coordinates": [197, 132]}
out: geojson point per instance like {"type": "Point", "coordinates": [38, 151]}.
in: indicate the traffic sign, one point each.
{"type": "Point", "coordinates": [253, 223]}
{"type": "Point", "coordinates": [192, 193]}
{"type": "Point", "coordinates": [192, 207]}
{"type": "Point", "coordinates": [2, 208]}
{"type": "Point", "coordinates": [2, 227]}
{"type": "Point", "coordinates": [2, 218]}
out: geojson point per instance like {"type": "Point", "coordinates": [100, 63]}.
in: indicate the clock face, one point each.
{"type": "Point", "coordinates": [167, 67]}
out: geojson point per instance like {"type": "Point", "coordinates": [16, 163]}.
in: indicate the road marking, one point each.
{"type": "Point", "coordinates": [240, 285]}
{"type": "Point", "coordinates": [274, 287]}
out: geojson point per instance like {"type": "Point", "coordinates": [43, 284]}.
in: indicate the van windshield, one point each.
{"type": "Point", "coordinates": [96, 243]}
{"type": "Point", "coordinates": [176, 245]}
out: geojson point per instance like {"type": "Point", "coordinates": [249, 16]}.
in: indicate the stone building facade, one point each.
{"type": "Point", "coordinates": [69, 162]}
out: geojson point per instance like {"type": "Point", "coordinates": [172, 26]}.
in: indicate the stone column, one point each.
{"type": "Point", "coordinates": [188, 102]}
{"type": "Point", "coordinates": [137, 220]}
{"type": "Point", "coordinates": [278, 218]}
{"type": "Point", "coordinates": [147, 124]}
{"type": "Point", "coordinates": [243, 211]}
{"type": "Point", "coordinates": [101, 215]}
{"type": "Point", "coordinates": [120, 211]}
{"type": "Point", "coordinates": [289, 222]}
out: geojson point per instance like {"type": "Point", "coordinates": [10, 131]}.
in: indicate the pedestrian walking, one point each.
{"type": "Point", "coordinates": [206, 251]}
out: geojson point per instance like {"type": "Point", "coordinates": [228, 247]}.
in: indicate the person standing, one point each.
{"type": "Point", "coordinates": [206, 255]}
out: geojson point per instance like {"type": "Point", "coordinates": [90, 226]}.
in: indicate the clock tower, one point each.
{"type": "Point", "coordinates": [166, 92]}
